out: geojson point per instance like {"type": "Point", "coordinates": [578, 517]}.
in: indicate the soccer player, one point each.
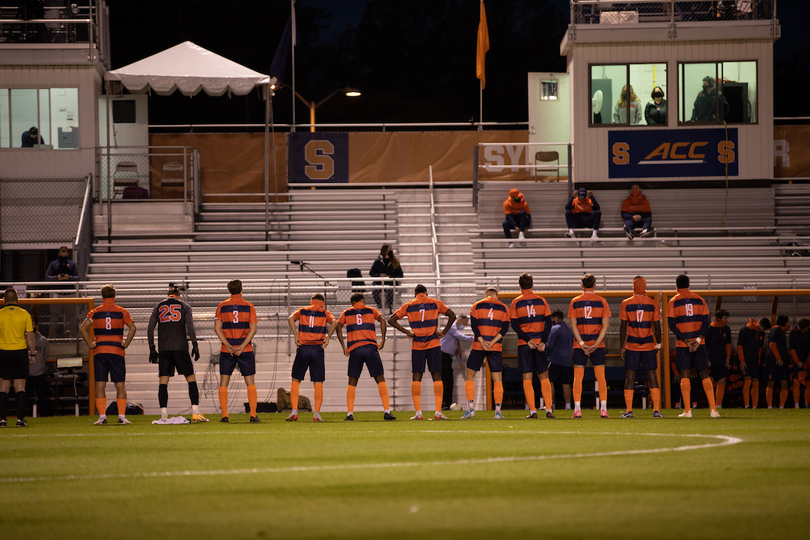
{"type": "Point", "coordinates": [749, 350]}
{"type": "Point", "coordinates": [640, 336]}
{"type": "Point", "coordinates": [800, 354]}
{"type": "Point", "coordinates": [108, 321]}
{"type": "Point", "coordinates": [776, 361]}
{"type": "Point", "coordinates": [311, 338]}
{"type": "Point", "coordinates": [362, 349]}
{"type": "Point", "coordinates": [589, 316]}
{"type": "Point", "coordinates": [559, 349]}
{"type": "Point", "coordinates": [531, 321]}
{"type": "Point", "coordinates": [489, 319]}
{"type": "Point", "coordinates": [718, 347]}
{"type": "Point", "coordinates": [174, 322]}
{"type": "Point", "coordinates": [689, 320]}
{"type": "Point", "coordinates": [235, 325]}
{"type": "Point", "coordinates": [17, 351]}
{"type": "Point", "coordinates": [423, 317]}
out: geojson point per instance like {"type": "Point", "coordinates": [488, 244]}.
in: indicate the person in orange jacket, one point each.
{"type": "Point", "coordinates": [518, 215]}
{"type": "Point", "coordinates": [636, 213]}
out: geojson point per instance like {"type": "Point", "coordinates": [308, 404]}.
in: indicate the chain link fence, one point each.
{"type": "Point", "coordinates": [32, 22]}
{"type": "Point", "coordinates": [166, 173]}
{"type": "Point", "coordinates": [669, 11]}
{"type": "Point", "coordinates": [40, 210]}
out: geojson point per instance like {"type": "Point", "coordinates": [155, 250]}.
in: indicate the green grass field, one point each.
{"type": "Point", "coordinates": [746, 475]}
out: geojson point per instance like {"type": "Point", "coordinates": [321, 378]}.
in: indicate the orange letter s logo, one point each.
{"type": "Point", "coordinates": [725, 150]}
{"type": "Point", "coordinates": [621, 155]}
{"type": "Point", "coordinates": [318, 155]}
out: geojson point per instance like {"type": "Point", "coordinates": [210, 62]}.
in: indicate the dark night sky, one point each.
{"type": "Point", "coordinates": [414, 60]}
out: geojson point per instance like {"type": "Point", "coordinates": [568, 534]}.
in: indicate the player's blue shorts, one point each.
{"type": "Point", "coordinates": [309, 357]}
{"type": "Point", "coordinates": [368, 355]}
{"type": "Point", "coordinates": [777, 372]}
{"type": "Point", "coordinates": [433, 357]}
{"type": "Point", "coordinates": [112, 365]}
{"type": "Point", "coordinates": [752, 369]}
{"type": "Point", "coordinates": [246, 361]}
{"type": "Point", "coordinates": [560, 374]}
{"type": "Point", "coordinates": [718, 371]}
{"type": "Point", "coordinates": [597, 357]}
{"type": "Point", "coordinates": [476, 360]}
{"type": "Point", "coordinates": [698, 360]}
{"type": "Point", "coordinates": [531, 360]}
{"type": "Point", "coordinates": [636, 360]}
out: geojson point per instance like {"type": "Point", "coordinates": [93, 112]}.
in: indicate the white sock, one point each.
{"type": "Point", "coordinates": [576, 406]}
{"type": "Point", "coordinates": [603, 405]}
{"type": "Point", "coordinates": [567, 406]}
{"type": "Point", "coordinates": [469, 405]}
{"type": "Point", "coordinates": [317, 414]}
{"type": "Point", "coordinates": [122, 417]}
{"type": "Point", "coordinates": [418, 413]}
{"type": "Point", "coordinates": [570, 231]}
{"type": "Point", "coordinates": [102, 417]}
{"type": "Point", "coordinates": [533, 411]}
{"type": "Point", "coordinates": [195, 409]}
{"type": "Point", "coordinates": [164, 412]}
{"type": "Point", "coordinates": [387, 411]}
{"type": "Point", "coordinates": [498, 408]}
{"type": "Point", "coordinates": [295, 411]}
{"type": "Point", "coordinates": [594, 235]}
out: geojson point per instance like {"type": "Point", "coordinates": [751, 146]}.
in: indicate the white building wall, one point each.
{"type": "Point", "coordinates": [591, 152]}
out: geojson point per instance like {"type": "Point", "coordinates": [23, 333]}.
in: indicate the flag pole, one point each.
{"type": "Point", "coordinates": [292, 39]}
{"type": "Point", "coordinates": [480, 106]}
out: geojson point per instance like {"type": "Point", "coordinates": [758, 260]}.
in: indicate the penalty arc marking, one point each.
{"type": "Point", "coordinates": [716, 441]}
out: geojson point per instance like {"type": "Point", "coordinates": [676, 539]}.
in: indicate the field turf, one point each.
{"type": "Point", "coordinates": [746, 475]}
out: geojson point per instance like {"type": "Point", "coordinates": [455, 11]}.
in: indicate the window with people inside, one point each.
{"type": "Point", "coordinates": [717, 92]}
{"type": "Point", "coordinates": [39, 118]}
{"type": "Point", "coordinates": [628, 94]}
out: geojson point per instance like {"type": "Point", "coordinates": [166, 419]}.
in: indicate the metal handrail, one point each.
{"type": "Point", "coordinates": [435, 241]}
{"type": "Point", "coordinates": [84, 233]}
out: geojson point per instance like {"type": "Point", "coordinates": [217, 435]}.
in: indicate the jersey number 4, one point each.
{"type": "Point", "coordinates": [169, 313]}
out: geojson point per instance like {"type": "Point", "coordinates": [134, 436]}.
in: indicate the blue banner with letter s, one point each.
{"type": "Point", "coordinates": [672, 153]}
{"type": "Point", "coordinates": [318, 158]}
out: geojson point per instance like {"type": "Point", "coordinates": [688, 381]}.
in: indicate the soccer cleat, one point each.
{"type": "Point", "coordinates": [520, 236]}
{"type": "Point", "coordinates": [417, 417]}
{"type": "Point", "coordinates": [349, 417]}
{"type": "Point", "coordinates": [292, 418]}
{"type": "Point", "coordinates": [604, 414]}
{"type": "Point", "coordinates": [499, 416]}
{"type": "Point", "coordinates": [317, 419]}
{"type": "Point", "coordinates": [199, 418]}
{"type": "Point", "coordinates": [550, 415]}
{"type": "Point", "coordinates": [440, 416]}
{"type": "Point", "coordinates": [389, 416]}
{"type": "Point", "coordinates": [224, 420]}
{"type": "Point", "coordinates": [657, 414]}
{"type": "Point", "coordinates": [254, 419]}
{"type": "Point", "coordinates": [628, 233]}
{"type": "Point", "coordinates": [100, 422]}
{"type": "Point", "coordinates": [532, 415]}
{"type": "Point", "coordinates": [685, 414]}
{"type": "Point", "coordinates": [646, 232]}
{"type": "Point", "coordinates": [628, 414]}
{"type": "Point", "coordinates": [511, 245]}
{"type": "Point", "coordinates": [22, 422]}
{"type": "Point", "coordinates": [123, 422]}
{"type": "Point", "coordinates": [715, 414]}
{"type": "Point", "coordinates": [468, 415]}
{"type": "Point", "coordinates": [3, 423]}
{"type": "Point", "coordinates": [577, 414]}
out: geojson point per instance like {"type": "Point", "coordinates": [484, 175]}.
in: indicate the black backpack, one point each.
{"type": "Point", "coordinates": [356, 273]}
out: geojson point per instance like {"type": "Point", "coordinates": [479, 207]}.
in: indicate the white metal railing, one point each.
{"type": "Point", "coordinates": [672, 12]}
{"type": "Point", "coordinates": [83, 244]}
{"type": "Point", "coordinates": [435, 241]}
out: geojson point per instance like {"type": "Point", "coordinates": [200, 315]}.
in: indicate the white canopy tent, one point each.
{"type": "Point", "coordinates": [190, 68]}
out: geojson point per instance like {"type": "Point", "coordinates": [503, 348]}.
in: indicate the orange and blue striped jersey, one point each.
{"type": "Point", "coordinates": [640, 311]}
{"type": "Point", "coordinates": [589, 309]}
{"type": "Point", "coordinates": [313, 322]}
{"type": "Point", "coordinates": [423, 318]}
{"type": "Point", "coordinates": [360, 327]}
{"type": "Point", "coordinates": [109, 321]}
{"type": "Point", "coordinates": [688, 316]}
{"type": "Point", "coordinates": [531, 317]}
{"type": "Point", "coordinates": [236, 314]}
{"type": "Point", "coordinates": [488, 318]}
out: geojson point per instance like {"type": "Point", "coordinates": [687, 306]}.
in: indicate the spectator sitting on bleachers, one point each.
{"type": "Point", "coordinates": [582, 210]}
{"type": "Point", "coordinates": [518, 215]}
{"type": "Point", "coordinates": [636, 212]}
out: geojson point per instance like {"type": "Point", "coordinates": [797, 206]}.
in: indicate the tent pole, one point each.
{"type": "Point", "coordinates": [292, 38]}
{"type": "Point", "coordinates": [267, 92]}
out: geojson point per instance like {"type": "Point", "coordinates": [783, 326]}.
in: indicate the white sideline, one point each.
{"type": "Point", "coordinates": [723, 441]}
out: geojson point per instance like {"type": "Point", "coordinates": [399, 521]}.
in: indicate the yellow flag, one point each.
{"type": "Point", "coordinates": [483, 47]}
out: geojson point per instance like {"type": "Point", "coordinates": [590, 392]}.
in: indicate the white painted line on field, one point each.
{"type": "Point", "coordinates": [723, 441]}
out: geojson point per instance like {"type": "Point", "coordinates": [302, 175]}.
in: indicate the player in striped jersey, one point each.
{"type": "Point", "coordinates": [362, 348]}
{"type": "Point", "coordinates": [174, 321]}
{"type": "Point", "coordinates": [688, 319]}
{"type": "Point", "coordinates": [108, 346]}
{"type": "Point", "coordinates": [640, 336]}
{"type": "Point", "coordinates": [589, 317]}
{"type": "Point", "coordinates": [490, 322]}
{"type": "Point", "coordinates": [235, 326]}
{"type": "Point", "coordinates": [423, 318]}
{"type": "Point", "coordinates": [531, 321]}
{"type": "Point", "coordinates": [311, 338]}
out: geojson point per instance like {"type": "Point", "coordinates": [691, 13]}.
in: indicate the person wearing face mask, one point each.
{"type": "Point", "coordinates": [559, 349]}
{"type": "Point", "coordinates": [777, 360]}
{"type": "Point", "coordinates": [62, 269]}
{"type": "Point", "coordinates": [705, 108]}
{"type": "Point", "coordinates": [749, 350]}
{"type": "Point", "coordinates": [451, 348]}
{"type": "Point", "coordinates": [518, 215]}
{"type": "Point", "coordinates": [656, 111]}
{"type": "Point", "coordinates": [582, 211]}
{"type": "Point", "coordinates": [636, 212]}
{"type": "Point", "coordinates": [718, 347]}
{"type": "Point", "coordinates": [800, 354]}
{"type": "Point", "coordinates": [386, 265]}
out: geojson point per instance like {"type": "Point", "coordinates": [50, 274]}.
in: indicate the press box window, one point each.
{"type": "Point", "coordinates": [53, 111]}
{"type": "Point", "coordinates": [714, 92]}
{"type": "Point", "coordinates": [621, 94]}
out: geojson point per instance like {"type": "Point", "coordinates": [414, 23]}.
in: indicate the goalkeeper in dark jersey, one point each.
{"type": "Point", "coordinates": [174, 322]}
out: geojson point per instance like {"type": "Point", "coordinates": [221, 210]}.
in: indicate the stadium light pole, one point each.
{"type": "Point", "coordinates": [348, 92]}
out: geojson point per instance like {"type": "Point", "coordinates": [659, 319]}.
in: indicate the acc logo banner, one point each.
{"type": "Point", "coordinates": [319, 158]}
{"type": "Point", "coordinates": [672, 153]}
